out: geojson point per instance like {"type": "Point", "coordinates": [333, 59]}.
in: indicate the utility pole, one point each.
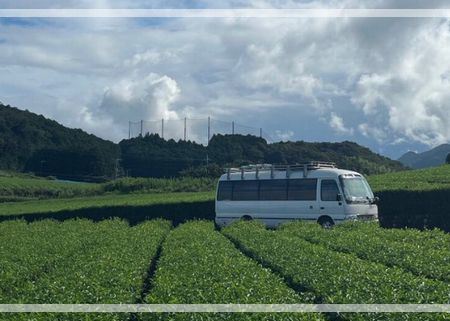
{"type": "Point", "coordinates": [129, 129]}
{"type": "Point", "coordinates": [232, 127]}
{"type": "Point", "coordinates": [162, 128]}
{"type": "Point", "coordinates": [260, 133]}
{"type": "Point", "coordinates": [184, 128]}
{"type": "Point", "coordinates": [209, 128]}
{"type": "Point", "coordinates": [142, 128]}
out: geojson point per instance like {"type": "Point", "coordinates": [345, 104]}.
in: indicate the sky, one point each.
{"type": "Point", "coordinates": [381, 82]}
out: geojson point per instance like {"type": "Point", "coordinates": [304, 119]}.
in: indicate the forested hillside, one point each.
{"type": "Point", "coordinates": [30, 142]}
{"type": "Point", "coordinates": [153, 156]}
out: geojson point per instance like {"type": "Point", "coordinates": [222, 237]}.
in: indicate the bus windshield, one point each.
{"type": "Point", "coordinates": [356, 189]}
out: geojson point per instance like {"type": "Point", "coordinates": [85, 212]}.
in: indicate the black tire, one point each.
{"type": "Point", "coordinates": [326, 222]}
{"type": "Point", "coordinates": [246, 218]}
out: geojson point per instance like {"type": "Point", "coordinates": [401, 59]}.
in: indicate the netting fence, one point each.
{"type": "Point", "coordinates": [198, 130]}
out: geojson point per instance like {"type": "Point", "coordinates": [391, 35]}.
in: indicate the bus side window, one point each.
{"type": "Point", "coordinates": [302, 189]}
{"type": "Point", "coordinates": [329, 190]}
{"type": "Point", "coordinates": [245, 190]}
{"type": "Point", "coordinates": [225, 191]}
{"type": "Point", "coordinates": [273, 190]}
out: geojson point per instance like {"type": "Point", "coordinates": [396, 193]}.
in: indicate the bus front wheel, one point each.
{"type": "Point", "coordinates": [326, 222]}
{"type": "Point", "coordinates": [246, 218]}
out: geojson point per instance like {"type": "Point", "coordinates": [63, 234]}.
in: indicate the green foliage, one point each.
{"type": "Point", "coordinates": [106, 202]}
{"type": "Point", "coordinates": [20, 187]}
{"type": "Point", "coordinates": [435, 178]}
{"type": "Point", "coordinates": [346, 155]}
{"type": "Point", "coordinates": [417, 198]}
{"type": "Point", "coordinates": [33, 143]}
{"type": "Point", "coordinates": [211, 171]}
{"type": "Point", "coordinates": [427, 239]}
{"type": "Point", "coordinates": [337, 277]}
{"type": "Point", "coordinates": [160, 185]}
{"type": "Point", "coordinates": [368, 242]}
{"type": "Point", "coordinates": [199, 265]}
{"type": "Point", "coordinates": [76, 262]}
{"type": "Point", "coordinates": [153, 156]}
{"type": "Point", "coordinates": [237, 149]}
{"type": "Point", "coordinates": [447, 159]}
{"type": "Point", "coordinates": [23, 187]}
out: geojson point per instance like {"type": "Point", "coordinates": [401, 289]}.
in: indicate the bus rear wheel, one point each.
{"type": "Point", "coordinates": [246, 218]}
{"type": "Point", "coordinates": [326, 222]}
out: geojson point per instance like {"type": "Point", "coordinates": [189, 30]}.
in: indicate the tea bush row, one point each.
{"type": "Point", "coordinates": [76, 262]}
{"type": "Point", "coordinates": [368, 243]}
{"type": "Point", "coordinates": [337, 277]}
{"type": "Point", "coordinates": [199, 265]}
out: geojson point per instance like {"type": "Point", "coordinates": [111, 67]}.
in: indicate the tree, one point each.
{"type": "Point", "coordinates": [448, 159]}
{"type": "Point", "coordinates": [30, 142]}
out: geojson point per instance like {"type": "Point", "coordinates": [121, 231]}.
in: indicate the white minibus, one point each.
{"type": "Point", "coordinates": [316, 191]}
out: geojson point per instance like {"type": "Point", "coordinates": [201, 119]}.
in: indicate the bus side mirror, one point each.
{"type": "Point", "coordinates": [376, 200]}
{"type": "Point", "coordinates": [339, 197]}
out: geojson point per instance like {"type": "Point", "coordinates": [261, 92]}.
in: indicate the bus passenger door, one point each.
{"type": "Point", "coordinates": [331, 202]}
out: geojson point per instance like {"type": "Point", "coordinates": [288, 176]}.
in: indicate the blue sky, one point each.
{"type": "Point", "coordinates": [384, 83]}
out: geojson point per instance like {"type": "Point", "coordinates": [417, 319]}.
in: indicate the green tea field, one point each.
{"type": "Point", "coordinates": [145, 241]}
{"type": "Point", "coordinates": [17, 187]}
{"type": "Point", "coordinates": [79, 261]}
{"type": "Point", "coordinates": [414, 198]}
{"type": "Point", "coordinates": [434, 178]}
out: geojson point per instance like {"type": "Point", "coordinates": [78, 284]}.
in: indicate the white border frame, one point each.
{"type": "Point", "coordinates": [225, 13]}
{"type": "Point", "coordinates": [224, 308]}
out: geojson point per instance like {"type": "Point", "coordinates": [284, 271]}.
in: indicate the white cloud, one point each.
{"type": "Point", "coordinates": [378, 134]}
{"type": "Point", "coordinates": [284, 135]}
{"type": "Point", "coordinates": [337, 124]}
{"type": "Point", "coordinates": [102, 73]}
{"type": "Point", "coordinates": [147, 98]}
{"type": "Point", "coordinates": [415, 93]}
{"type": "Point", "coordinates": [369, 93]}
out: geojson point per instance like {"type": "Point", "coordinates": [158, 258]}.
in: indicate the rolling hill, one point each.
{"type": "Point", "coordinates": [33, 143]}
{"type": "Point", "coordinates": [431, 158]}
{"type": "Point", "coordinates": [154, 156]}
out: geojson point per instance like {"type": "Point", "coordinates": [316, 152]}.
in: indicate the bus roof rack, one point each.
{"type": "Point", "coordinates": [305, 167]}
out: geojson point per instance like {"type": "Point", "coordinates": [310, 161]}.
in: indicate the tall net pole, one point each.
{"type": "Point", "coordinates": [172, 129]}
{"type": "Point", "coordinates": [209, 128]}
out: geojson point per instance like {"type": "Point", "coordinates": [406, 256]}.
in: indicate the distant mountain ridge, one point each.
{"type": "Point", "coordinates": [33, 143]}
{"type": "Point", "coordinates": [431, 158]}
